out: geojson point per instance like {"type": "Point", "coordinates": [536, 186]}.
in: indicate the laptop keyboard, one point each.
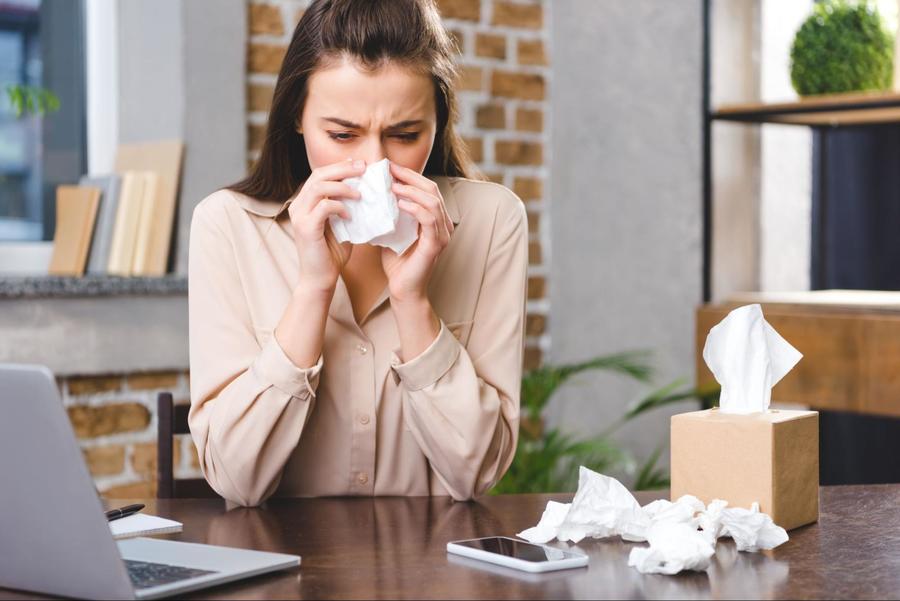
{"type": "Point", "coordinates": [145, 574]}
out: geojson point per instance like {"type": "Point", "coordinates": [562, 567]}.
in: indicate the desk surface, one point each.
{"type": "Point", "coordinates": [395, 548]}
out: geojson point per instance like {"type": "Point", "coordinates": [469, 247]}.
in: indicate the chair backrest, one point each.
{"type": "Point", "coordinates": [172, 419]}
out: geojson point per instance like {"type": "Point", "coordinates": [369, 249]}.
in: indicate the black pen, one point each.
{"type": "Point", "coordinates": [115, 514]}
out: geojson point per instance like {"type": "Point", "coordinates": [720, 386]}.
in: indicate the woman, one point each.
{"type": "Point", "coordinates": [320, 368]}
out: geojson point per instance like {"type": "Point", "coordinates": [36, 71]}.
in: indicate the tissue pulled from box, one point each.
{"type": "Point", "coordinates": [681, 534]}
{"type": "Point", "coordinates": [747, 357]}
{"type": "Point", "coordinates": [375, 217]}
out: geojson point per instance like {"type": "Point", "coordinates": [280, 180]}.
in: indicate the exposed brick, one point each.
{"type": "Point", "coordinates": [534, 253]}
{"type": "Point", "coordinates": [94, 385]}
{"type": "Point", "coordinates": [135, 490]}
{"type": "Point", "coordinates": [529, 119]}
{"type": "Point", "coordinates": [265, 58]}
{"type": "Point", "coordinates": [259, 97]}
{"type": "Point", "coordinates": [533, 358]}
{"type": "Point", "coordinates": [527, 86]}
{"type": "Point", "coordinates": [531, 52]}
{"type": "Point", "coordinates": [256, 134]}
{"type": "Point", "coordinates": [88, 421]}
{"type": "Point", "coordinates": [476, 148]}
{"type": "Point", "coordinates": [518, 15]}
{"type": "Point", "coordinates": [469, 10]}
{"type": "Point", "coordinates": [497, 178]}
{"type": "Point", "coordinates": [105, 461]}
{"type": "Point", "coordinates": [490, 116]}
{"type": "Point", "coordinates": [266, 19]}
{"type": "Point", "coordinates": [516, 152]}
{"type": "Point", "coordinates": [535, 325]}
{"type": "Point", "coordinates": [534, 222]}
{"type": "Point", "coordinates": [528, 188]}
{"type": "Point", "coordinates": [458, 39]}
{"type": "Point", "coordinates": [537, 287]}
{"type": "Point", "coordinates": [470, 78]}
{"type": "Point", "coordinates": [489, 45]}
{"type": "Point", "coordinates": [153, 381]}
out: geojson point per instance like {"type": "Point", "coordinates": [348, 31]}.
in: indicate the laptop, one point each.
{"type": "Point", "coordinates": [54, 536]}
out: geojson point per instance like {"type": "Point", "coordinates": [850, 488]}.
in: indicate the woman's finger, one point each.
{"type": "Point", "coordinates": [338, 171]}
{"type": "Point", "coordinates": [428, 223]}
{"type": "Point", "coordinates": [432, 204]}
{"type": "Point", "coordinates": [414, 178]}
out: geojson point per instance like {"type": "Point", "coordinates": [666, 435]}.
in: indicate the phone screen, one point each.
{"type": "Point", "coordinates": [510, 547]}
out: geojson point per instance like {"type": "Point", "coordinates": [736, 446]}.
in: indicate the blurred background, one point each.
{"type": "Point", "coordinates": [677, 158]}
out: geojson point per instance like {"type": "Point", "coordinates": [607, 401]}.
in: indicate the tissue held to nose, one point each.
{"type": "Point", "coordinates": [375, 217]}
{"type": "Point", "coordinates": [747, 357]}
{"type": "Point", "coordinates": [682, 535]}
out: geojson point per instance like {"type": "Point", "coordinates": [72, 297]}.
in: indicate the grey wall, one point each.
{"type": "Point", "coordinates": [626, 199]}
{"type": "Point", "coordinates": [182, 75]}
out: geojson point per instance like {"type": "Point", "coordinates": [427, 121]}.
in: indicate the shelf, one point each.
{"type": "Point", "coordinates": [19, 287]}
{"type": "Point", "coordinates": [817, 111]}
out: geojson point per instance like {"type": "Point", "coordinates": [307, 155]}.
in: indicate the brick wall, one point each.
{"type": "Point", "coordinates": [504, 109]}
{"type": "Point", "coordinates": [114, 418]}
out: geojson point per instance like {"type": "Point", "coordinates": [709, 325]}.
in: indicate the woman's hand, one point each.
{"type": "Point", "coordinates": [408, 274]}
{"type": "Point", "coordinates": [321, 257]}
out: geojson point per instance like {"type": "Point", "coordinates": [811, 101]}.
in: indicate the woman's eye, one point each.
{"type": "Point", "coordinates": [340, 136]}
{"type": "Point", "coordinates": [407, 137]}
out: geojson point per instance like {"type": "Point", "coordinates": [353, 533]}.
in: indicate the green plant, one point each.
{"type": "Point", "coordinates": [31, 100]}
{"type": "Point", "coordinates": [842, 47]}
{"type": "Point", "coordinates": [547, 460]}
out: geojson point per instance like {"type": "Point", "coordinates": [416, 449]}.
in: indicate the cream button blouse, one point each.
{"type": "Point", "coordinates": [359, 422]}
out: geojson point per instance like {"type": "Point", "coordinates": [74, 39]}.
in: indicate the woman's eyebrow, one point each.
{"type": "Point", "coordinates": [351, 125]}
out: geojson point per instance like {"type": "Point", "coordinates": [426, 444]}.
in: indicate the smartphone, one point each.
{"type": "Point", "coordinates": [517, 554]}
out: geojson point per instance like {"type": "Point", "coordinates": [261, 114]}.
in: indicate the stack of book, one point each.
{"type": "Point", "coordinates": [120, 224]}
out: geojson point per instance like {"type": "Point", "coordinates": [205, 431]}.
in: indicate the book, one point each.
{"type": "Point", "coordinates": [76, 212]}
{"type": "Point", "coordinates": [163, 158]}
{"type": "Point", "coordinates": [142, 524]}
{"type": "Point", "coordinates": [143, 243]}
{"type": "Point", "coordinates": [131, 197]}
{"type": "Point", "coordinates": [98, 257]}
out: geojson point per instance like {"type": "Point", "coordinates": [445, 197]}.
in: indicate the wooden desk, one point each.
{"type": "Point", "coordinates": [395, 548]}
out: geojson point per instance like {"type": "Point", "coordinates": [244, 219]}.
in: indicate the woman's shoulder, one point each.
{"type": "Point", "coordinates": [223, 203]}
{"type": "Point", "coordinates": [480, 197]}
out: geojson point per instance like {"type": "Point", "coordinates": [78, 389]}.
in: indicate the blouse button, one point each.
{"type": "Point", "coordinates": [362, 348]}
{"type": "Point", "coordinates": [364, 419]}
{"type": "Point", "coordinates": [363, 478]}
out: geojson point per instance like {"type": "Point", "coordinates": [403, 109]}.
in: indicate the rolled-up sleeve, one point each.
{"type": "Point", "coordinates": [461, 403]}
{"type": "Point", "coordinates": [249, 402]}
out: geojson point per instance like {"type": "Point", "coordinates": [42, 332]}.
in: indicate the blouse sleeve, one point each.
{"type": "Point", "coordinates": [249, 402]}
{"type": "Point", "coordinates": [461, 404]}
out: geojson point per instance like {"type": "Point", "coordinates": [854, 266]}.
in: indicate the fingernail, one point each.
{"type": "Point", "coordinates": [359, 164]}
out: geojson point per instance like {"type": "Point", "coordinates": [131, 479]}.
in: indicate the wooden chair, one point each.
{"type": "Point", "coordinates": [172, 420]}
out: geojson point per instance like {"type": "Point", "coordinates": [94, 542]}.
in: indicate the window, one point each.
{"type": "Point", "coordinates": [41, 45]}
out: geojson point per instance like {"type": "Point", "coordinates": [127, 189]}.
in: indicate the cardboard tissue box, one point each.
{"type": "Point", "coordinates": [771, 458]}
{"type": "Point", "coordinates": [744, 452]}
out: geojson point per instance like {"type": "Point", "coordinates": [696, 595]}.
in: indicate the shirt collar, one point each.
{"type": "Point", "coordinates": [271, 209]}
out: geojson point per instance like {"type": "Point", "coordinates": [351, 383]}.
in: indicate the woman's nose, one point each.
{"type": "Point", "coordinates": [372, 151]}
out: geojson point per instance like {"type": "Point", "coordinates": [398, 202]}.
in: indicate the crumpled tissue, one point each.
{"type": "Point", "coordinates": [375, 218]}
{"type": "Point", "coordinates": [747, 357]}
{"type": "Point", "coordinates": [682, 534]}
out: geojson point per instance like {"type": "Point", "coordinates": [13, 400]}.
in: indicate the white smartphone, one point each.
{"type": "Point", "coordinates": [517, 554]}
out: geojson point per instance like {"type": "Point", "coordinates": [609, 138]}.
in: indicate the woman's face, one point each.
{"type": "Point", "coordinates": [386, 113]}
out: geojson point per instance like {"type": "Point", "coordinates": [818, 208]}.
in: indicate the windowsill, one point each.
{"type": "Point", "coordinates": [19, 287]}
{"type": "Point", "coordinates": [95, 325]}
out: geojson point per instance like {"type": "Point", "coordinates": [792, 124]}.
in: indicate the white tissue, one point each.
{"type": "Point", "coordinates": [375, 218]}
{"type": "Point", "coordinates": [602, 507]}
{"type": "Point", "coordinates": [682, 535]}
{"type": "Point", "coordinates": [747, 357]}
{"type": "Point", "coordinates": [751, 530]}
{"type": "Point", "coordinates": [673, 547]}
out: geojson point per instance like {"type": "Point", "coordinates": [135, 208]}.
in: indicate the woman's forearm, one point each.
{"type": "Point", "coordinates": [417, 326]}
{"type": "Point", "coordinates": [301, 331]}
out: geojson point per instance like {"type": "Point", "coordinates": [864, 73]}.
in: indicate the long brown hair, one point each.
{"type": "Point", "coordinates": [372, 32]}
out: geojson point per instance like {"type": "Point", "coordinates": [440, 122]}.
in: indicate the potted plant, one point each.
{"type": "Point", "coordinates": [842, 46]}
